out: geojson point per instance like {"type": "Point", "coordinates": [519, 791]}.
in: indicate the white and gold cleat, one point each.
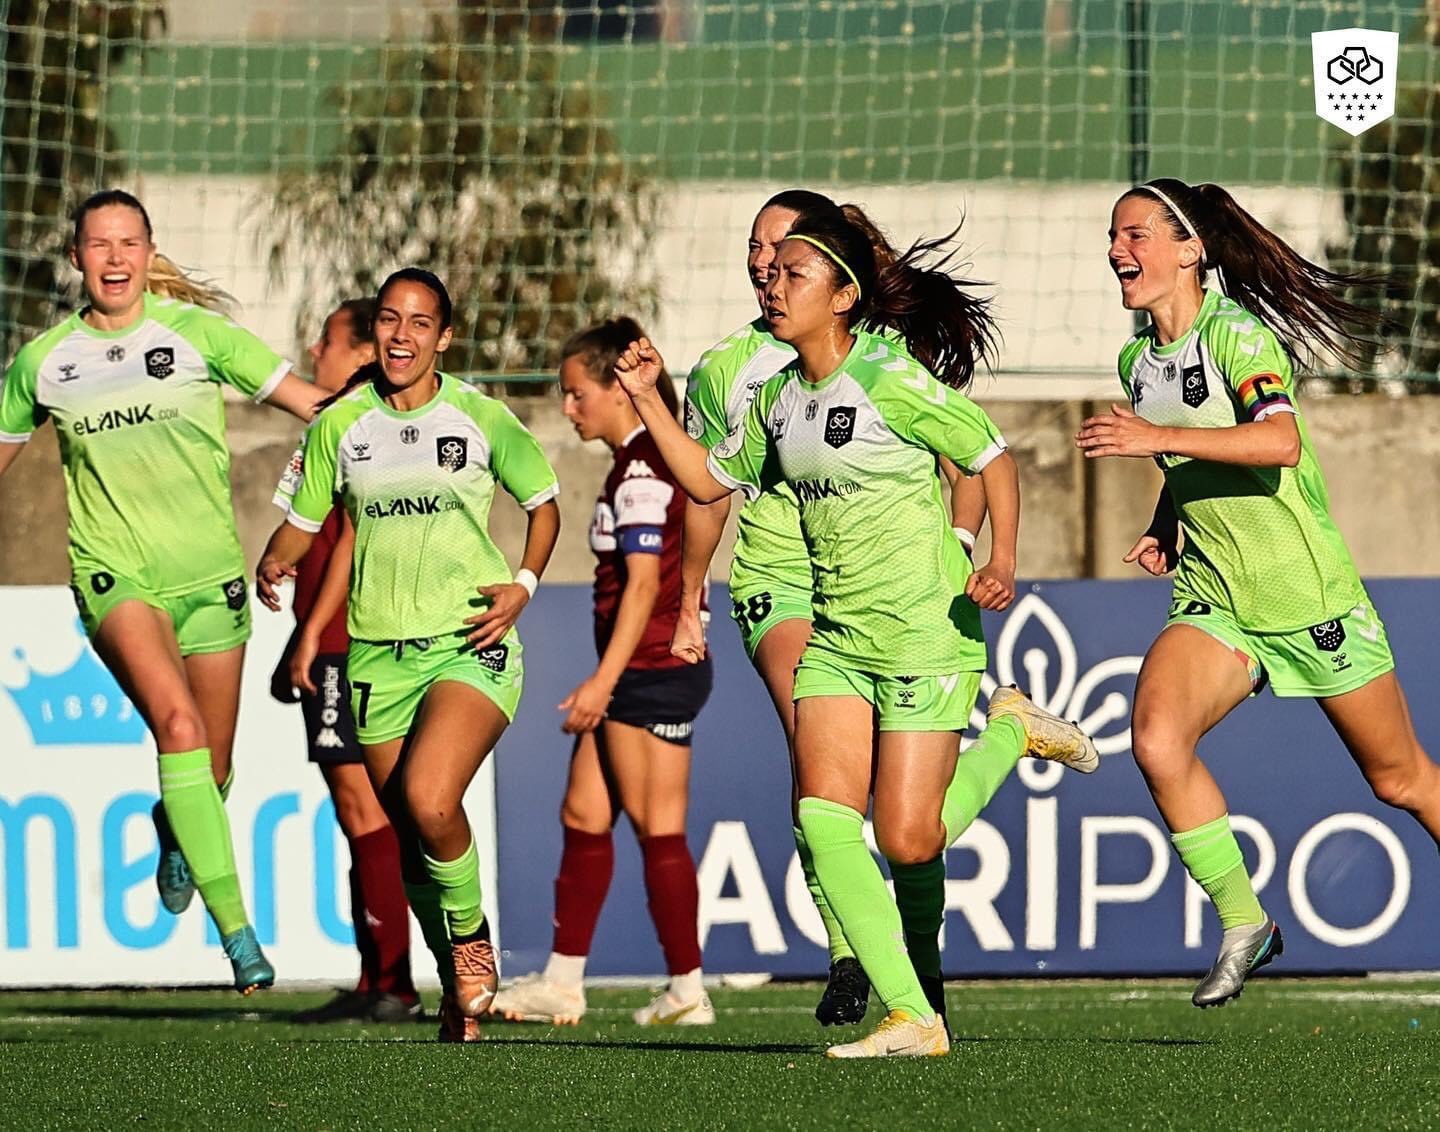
{"type": "Point", "coordinates": [667, 1010]}
{"type": "Point", "coordinates": [899, 1035]}
{"type": "Point", "coordinates": [1046, 736]}
{"type": "Point", "coordinates": [534, 998]}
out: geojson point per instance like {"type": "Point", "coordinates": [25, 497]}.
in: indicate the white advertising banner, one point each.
{"type": "Point", "coordinates": [78, 850]}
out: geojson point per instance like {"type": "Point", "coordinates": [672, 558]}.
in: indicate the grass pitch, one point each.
{"type": "Point", "coordinates": [1291, 1054]}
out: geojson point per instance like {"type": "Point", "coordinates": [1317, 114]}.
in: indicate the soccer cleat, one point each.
{"type": "Point", "coordinates": [252, 970]}
{"type": "Point", "coordinates": [455, 1024]}
{"type": "Point", "coordinates": [534, 998]}
{"type": "Point", "coordinates": [847, 994]}
{"type": "Point", "coordinates": [1243, 951]}
{"type": "Point", "coordinates": [347, 1006]}
{"type": "Point", "coordinates": [394, 1008]}
{"type": "Point", "coordinates": [1046, 736]}
{"type": "Point", "coordinates": [899, 1035]}
{"type": "Point", "coordinates": [934, 988]}
{"type": "Point", "coordinates": [664, 1010]}
{"type": "Point", "coordinates": [172, 875]}
{"type": "Point", "coordinates": [476, 977]}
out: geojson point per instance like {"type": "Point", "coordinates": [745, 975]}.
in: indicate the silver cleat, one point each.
{"type": "Point", "coordinates": [1243, 951]}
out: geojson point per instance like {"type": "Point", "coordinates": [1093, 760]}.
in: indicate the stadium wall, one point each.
{"type": "Point", "coordinates": [1063, 874]}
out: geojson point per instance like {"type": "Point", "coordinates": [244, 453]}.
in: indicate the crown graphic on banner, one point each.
{"type": "Point", "coordinates": [80, 706]}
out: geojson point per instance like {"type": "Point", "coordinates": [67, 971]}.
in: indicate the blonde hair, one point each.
{"type": "Point", "coordinates": [170, 281]}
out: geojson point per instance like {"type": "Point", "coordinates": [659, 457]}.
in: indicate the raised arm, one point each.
{"type": "Point", "coordinates": [296, 396]}
{"type": "Point", "coordinates": [704, 524]}
{"type": "Point", "coordinates": [638, 371]}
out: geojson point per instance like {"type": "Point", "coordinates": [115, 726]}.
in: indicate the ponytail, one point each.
{"type": "Point", "coordinates": [945, 328]}
{"type": "Point", "coordinates": [1302, 302]}
{"type": "Point", "coordinates": [169, 280]}
{"type": "Point", "coordinates": [368, 372]}
{"type": "Point", "coordinates": [599, 347]}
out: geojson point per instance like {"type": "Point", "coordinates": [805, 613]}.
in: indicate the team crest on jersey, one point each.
{"type": "Point", "coordinates": [409, 435]}
{"type": "Point", "coordinates": [115, 354]}
{"type": "Point", "coordinates": [494, 657]}
{"type": "Point", "coordinates": [1193, 387]}
{"type": "Point", "coordinates": [160, 362]}
{"type": "Point", "coordinates": [234, 593]}
{"type": "Point", "coordinates": [811, 409]}
{"type": "Point", "coordinates": [1328, 636]}
{"type": "Point", "coordinates": [1169, 372]}
{"type": "Point", "coordinates": [840, 426]}
{"type": "Point", "coordinates": [451, 452]}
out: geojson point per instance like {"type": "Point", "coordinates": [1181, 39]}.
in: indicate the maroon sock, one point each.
{"type": "Point", "coordinates": [377, 860]}
{"type": "Point", "coordinates": [674, 900]}
{"type": "Point", "coordinates": [586, 866]}
{"type": "Point", "coordinates": [364, 937]}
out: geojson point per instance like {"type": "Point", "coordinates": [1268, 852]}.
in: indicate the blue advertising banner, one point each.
{"type": "Point", "coordinates": [1064, 873]}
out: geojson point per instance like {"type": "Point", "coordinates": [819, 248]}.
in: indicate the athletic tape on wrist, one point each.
{"type": "Point", "coordinates": [527, 579]}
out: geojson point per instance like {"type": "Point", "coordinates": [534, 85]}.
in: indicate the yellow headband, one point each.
{"type": "Point", "coordinates": [845, 267]}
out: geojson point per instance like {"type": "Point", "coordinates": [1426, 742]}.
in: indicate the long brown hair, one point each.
{"type": "Point", "coordinates": [599, 347]}
{"type": "Point", "coordinates": [1302, 302]}
{"type": "Point", "coordinates": [947, 329]}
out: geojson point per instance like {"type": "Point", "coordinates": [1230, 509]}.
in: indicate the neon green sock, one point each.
{"type": "Point", "coordinates": [1212, 856]}
{"type": "Point", "coordinates": [197, 819]}
{"type": "Point", "coordinates": [861, 902]}
{"type": "Point", "coordinates": [920, 897]}
{"type": "Point", "coordinates": [980, 771]}
{"type": "Point", "coordinates": [835, 938]}
{"type": "Point", "coordinates": [424, 901]}
{"type": "Point", "coordinates": [458, 884]}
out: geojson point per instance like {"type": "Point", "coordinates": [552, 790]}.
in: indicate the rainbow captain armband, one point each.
{"type": "Point", "coordinates": [1264, 394]}
{"type": "Point", "coordinates": [640, 539]}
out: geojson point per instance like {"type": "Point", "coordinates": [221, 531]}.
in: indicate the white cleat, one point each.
{"type": "Point", "coordinates": [666, 1010]}
{"type": "Point", "coordinates": [1046, 736]}
{"type": "Point", "coordinates": [899, 1035]}
{"type": "Point", "coordinates": [534, 998]}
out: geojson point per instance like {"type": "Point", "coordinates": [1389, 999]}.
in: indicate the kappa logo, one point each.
{"type": "Point", "coordinates": [115, 354]}
{"type": "Point", "coordinates": [1193, 387]}
{"type": "Point", "coordinates": [160, 362]}
{"type": "Point", "coordinates": [234, 594]}
{"type": "Point", "coordinates": [451, 452]}
{"type": "Point", "coordinates": [69, 371]}
{"type": "Point", "coordinates": [328, 740]}
{"type": "Point", "coordinates": [840, 426]}
{"type": "Point", "coordinates": [1328, 636]}
{"type": "Point", "coordinates": [409, 435]}
{"type": "Point", "coordinates": [494, 657]}
{"type": "Point", "coordinates": [638, 468]}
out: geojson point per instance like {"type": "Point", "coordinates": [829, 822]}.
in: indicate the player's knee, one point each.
{"type": "Point", "coordinates": [909, 843]}
{"type": "Point", "coordinates": [1160, 750]}
{"type": "Point", "coordinates": [431, 808]}
{"type": "Point", "coordinates": [1408, 787]}
{"type": "Point", "coordinates": [180, 729]}
{"type": "Point", "coordinates": [576, 814]}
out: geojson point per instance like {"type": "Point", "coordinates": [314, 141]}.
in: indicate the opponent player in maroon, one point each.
{"type": "Point", "coordinates": [633, 717]}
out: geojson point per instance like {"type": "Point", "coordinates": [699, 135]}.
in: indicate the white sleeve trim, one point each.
{"type": "Point", "coordinates": [273, 380]}
{"type": "Point", "coordinates": [1271, 410]}
{"type": "Point", "coordinates": [978, 464]}
{"type": "Point", "coordinates": [15, 437]}
{"type": "Point", "coordinates": [540, 497]}
{"type": "Point", "coordinates": [303, 523]}
{"type": "Point", "coordinates": [713, 467]}
{"type": "Point", "coordinates": [282, 501]}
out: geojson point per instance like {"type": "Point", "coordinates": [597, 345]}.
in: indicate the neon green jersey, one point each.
{"type": "Point", "coordinates": [141, 425]}
{"type": "Point", "coordinates": [770, 551]}
{"type": "Point", "coordinates": [858, 450]}
{"type": "Point", "coordinates": [418, 486]}
{"type": "Point", "coordinates": [1259, 542]}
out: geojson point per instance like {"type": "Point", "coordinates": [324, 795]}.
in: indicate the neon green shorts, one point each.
{"type": "Point", "coordinates": [389, 679]}
{"type": "Point", "coordinates": [901, 703]}
{"type": "Point", "coordinates": [1328, 659]}
{"type": "Point", "coordinates": [214, 618]}
{"type": "Point", "coordinates": [756, 612]}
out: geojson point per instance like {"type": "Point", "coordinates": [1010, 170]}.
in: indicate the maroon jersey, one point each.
{"type": "Point", "coordinates": [640, 511]}
{"type": "Point", "coordinates": [310, 572]}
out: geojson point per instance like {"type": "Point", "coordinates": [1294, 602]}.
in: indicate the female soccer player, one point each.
{"type": "Point", "coordinates": [1265, 591]}
{"type": "Point", "coordinates": [853, 426]}
{"type": "Point", "coordinates": [434, 661]}
{"type": "Point", "coordinates": [313, 662]}
{"type": "Point", "coordinates": [770, 583]}
{"type": "Point", "coordinates": [133, 384]}
{"type": "Point", "coordinates": [633, 717]}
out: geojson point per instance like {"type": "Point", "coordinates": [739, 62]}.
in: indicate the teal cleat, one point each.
{"type": "Point", "coordinates": [252, 970]}
{"type": "Point", "coordinates": [172, 877]}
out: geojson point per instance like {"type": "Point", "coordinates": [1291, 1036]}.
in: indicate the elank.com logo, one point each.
{"type": "Point", "coordinates": [1354, 71]}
